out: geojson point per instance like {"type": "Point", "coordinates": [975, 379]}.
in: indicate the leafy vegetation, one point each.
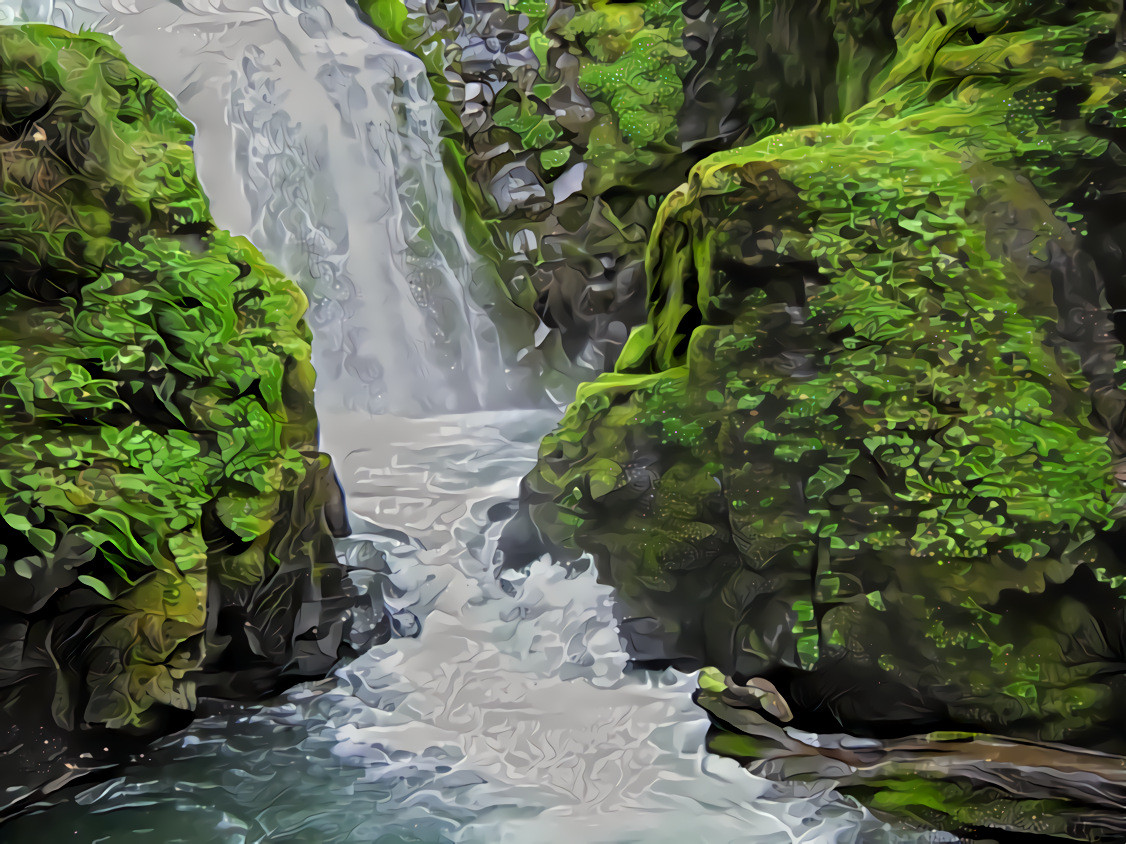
{"type": "Point", "coordinates": [868, 445]}
{"type": "Point", "coordinates": [164, 509]}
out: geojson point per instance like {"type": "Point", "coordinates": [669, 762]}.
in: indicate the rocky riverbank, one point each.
{"type": "Point", "coordinates": [864, 456]}
{"type": "Point", "coordinates": [167, 519]}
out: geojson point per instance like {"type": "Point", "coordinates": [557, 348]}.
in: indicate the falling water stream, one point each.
{"type": "Point", "coordinates": [504, 709]}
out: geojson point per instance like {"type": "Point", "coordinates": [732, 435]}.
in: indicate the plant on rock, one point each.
{"type": "Point", "coordinates": [865, 456]}
{"type": "Point", "coordinates": [166, 519]}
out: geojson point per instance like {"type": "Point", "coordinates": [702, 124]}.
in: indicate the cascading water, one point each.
{"type": "Point", "coordinates": [329, 153]}
{"type": "Point", "coordinates": [512, 715]}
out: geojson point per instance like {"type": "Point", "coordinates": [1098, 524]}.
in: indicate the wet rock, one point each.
{"type": "Point", "coordinates": [864, 457]}
{"type": "Point", "coordinates": [405, 624]}
{"type": "Point", "coordinates": [167, 520]}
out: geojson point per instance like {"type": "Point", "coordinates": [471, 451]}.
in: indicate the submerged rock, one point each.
{"type": "Point", "coordinates": [865, 457]}
{"type": "Point", "coordinates": [166, 518]}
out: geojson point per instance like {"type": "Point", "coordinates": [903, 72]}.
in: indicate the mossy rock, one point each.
{"type": "Point", "coordinates": [572, 119]}
{"type": "Point", "coordinates": [982, 786]}
{"type": "Point", "coordinates": [885, 447]}
{"type": "Point", "coordinates": [166, 519]}
{"type": "Point", "coordinates": [868, 448]}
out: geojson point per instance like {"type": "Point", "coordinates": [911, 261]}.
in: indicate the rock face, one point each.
{"type": "Point", "coordinates": [166, 518]}
{"type": "Point", "coordinates": [576, 118]}
{"type": "Point", "coordinates": [865, 456]}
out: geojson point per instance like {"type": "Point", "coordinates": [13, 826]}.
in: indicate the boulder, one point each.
{"type": "Point", "coordinates": [865, 458]}
{"type": "Point", "coordinates": [166, 520]}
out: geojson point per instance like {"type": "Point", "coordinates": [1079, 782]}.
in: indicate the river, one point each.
{"type": "Point", "coordinates": [503, 710]}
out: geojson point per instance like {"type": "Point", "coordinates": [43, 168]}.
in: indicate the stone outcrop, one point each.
{"type": "Point", "coordinates": [864, 458]}
{"type": "Point", "coordinates": [165, 516]}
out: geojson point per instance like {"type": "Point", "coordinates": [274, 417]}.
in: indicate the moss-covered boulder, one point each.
{"type": "Point", "coordinates": [866, 456]}
{"type": "Point", "coordinates": [166, 521]}
{"type": "Point", "coordinates": [572, 119]}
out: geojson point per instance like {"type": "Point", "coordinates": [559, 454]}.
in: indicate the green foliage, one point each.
{"type": "Point", "coordinates": [157, 438]}
{"type": "Point", "coordinates": [868, 444]}
{"type": "Point", "coordinates": [634, 71]}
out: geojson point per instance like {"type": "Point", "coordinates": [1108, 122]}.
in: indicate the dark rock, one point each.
{"type": "Point", "coordinates": [167, 522]}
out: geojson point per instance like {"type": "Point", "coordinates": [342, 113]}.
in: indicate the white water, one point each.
{"type": "Point", "coordinates": [513, 716]}
{"type": "Point", "coordinates": [322, 143]}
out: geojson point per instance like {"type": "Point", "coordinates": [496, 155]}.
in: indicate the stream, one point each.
{"type": "Point", "coordinates": [503, 709]}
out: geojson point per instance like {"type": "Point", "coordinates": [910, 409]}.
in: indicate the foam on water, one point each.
{"type": "Point", "coordinates": [505, 709]}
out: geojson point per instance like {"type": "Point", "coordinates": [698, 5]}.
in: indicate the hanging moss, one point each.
{"type": "Point", "coordinates": [163, 519]}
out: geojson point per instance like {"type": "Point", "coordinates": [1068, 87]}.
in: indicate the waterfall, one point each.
{"type": "Point", "coordinates": [506, 709]}
{"type": "Point", "coordinates": [323, 147]}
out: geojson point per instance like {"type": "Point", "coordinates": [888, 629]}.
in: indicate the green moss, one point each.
{"type": "Point", "coordinates": [635, 68]}
{"type": "Point", "coordinates": [157, 437]}
{"type": "Point", "coordinates": [960, 806]}
{"type": "Point", "coordinates": [928, 420]}
{"type": "Point", "coordinates": [867, 443]}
